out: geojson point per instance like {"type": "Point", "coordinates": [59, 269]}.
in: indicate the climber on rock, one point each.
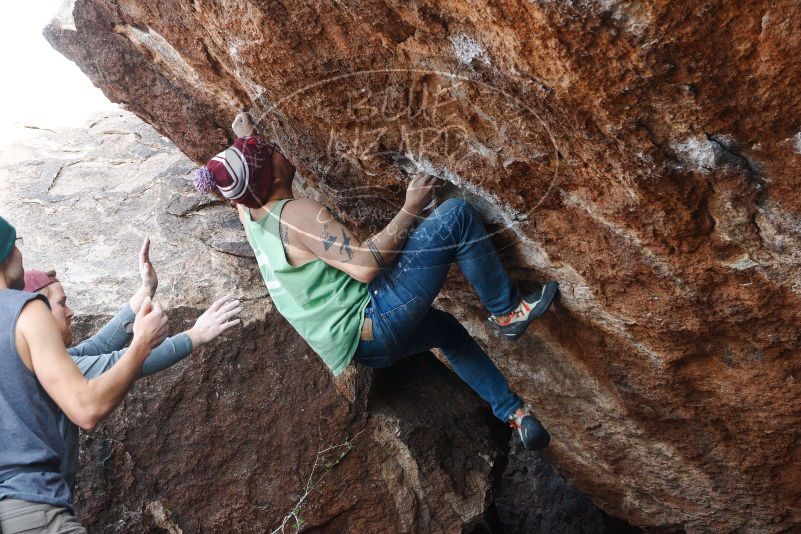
{"type": "Point", "coordinates": [370, 302]}
{"type": "Point", "coordinates": [38, 382]}
{"type": "Point", "coordinates": [100, 352]}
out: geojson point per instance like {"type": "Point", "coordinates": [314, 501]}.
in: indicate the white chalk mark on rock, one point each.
{"type": "Point", "coordinates": [468, 49]}
{"type": "Point", "coordinates": [742, 263]}
{"type": "Point", "coordinates": [697, 153]}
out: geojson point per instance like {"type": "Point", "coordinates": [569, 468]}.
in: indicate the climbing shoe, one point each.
{"type": "Point", "coordinates": [533, 306]}
{"type": "Point", "coordinates": [532, 433]}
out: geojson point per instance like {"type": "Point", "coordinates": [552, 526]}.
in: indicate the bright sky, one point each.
{"type": "Point", "coordinates": [40, 86]}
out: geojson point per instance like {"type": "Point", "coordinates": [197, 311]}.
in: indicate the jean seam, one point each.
{"type": "Point", "coordinates": [389, 328]}
{"type": "Point", "coordinates": [510, 310]}
{"type": "Point", "coordinates": [462, 238]}
{"type": "Point", "coordinates": [518, 297]}
{"type": "Point", "coordinates": [402, 305]}
{"type": "Point", "coordinates": [367, 355]}
{"type": "Point", "coordinates": [520, 404]}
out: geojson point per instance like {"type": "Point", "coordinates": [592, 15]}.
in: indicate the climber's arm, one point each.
{"type": "Point", "coordinates": [320, 233]}
{"type": "Point", "coordinates": [311, 227]}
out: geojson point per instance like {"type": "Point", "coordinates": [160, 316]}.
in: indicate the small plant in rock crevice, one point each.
{"type": "Point", "coordinates": [325, 460]}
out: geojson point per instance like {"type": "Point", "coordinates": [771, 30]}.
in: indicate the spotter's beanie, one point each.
{"type": "Point", "coordinates": [8, 235]}
{"type": "Point", "coordinates": [36, 280]}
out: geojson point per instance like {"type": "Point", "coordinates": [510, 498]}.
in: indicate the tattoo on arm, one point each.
{"type": "Point", "coordinates": [345, 248]}
{"type": "Point", "coordinates": [328, 238]}
{"type": "Point", "coordinates": [284, 233]}
{"type": "Point", "coordinates": [379, 259]}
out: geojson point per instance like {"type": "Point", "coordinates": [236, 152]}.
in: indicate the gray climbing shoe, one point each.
{"type": "Point", "coordinates": [533, 306]}
{"type": "Point", "coordinates": [532, 433]}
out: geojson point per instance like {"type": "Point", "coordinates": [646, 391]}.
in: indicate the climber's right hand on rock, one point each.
{"type": "Point", "coordinates": [242, 126]}
{"type": "Point", "coordinates": [420, 192]}
{"type": "Point", "coordinates": [151, 325]}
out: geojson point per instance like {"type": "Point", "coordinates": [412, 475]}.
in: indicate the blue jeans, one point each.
{"type": "Point", "coordinates": [404, 322]}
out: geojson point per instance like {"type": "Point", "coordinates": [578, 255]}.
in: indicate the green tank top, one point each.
{"type": "Point", "coordinates": [325, 305]}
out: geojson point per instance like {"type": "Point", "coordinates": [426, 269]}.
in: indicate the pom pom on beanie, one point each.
{"type": "Point", "coordinates": [204, 180]}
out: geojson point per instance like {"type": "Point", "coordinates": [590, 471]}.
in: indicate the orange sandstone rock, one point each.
{"type": "Point", "coordinates": [645, 154]}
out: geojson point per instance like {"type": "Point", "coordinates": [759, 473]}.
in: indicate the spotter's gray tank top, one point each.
{"type": "Point", "coordinates": [31, 446]}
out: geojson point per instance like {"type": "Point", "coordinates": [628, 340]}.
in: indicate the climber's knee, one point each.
{"type": "Point", "coordinates": [459, 211]}
{"type": "Point", "coordinates": [455, 204]}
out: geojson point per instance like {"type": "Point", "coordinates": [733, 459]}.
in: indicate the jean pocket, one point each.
{"type": "Point", "coordinates": [399, 322]}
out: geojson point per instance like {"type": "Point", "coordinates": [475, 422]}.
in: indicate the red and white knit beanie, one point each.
{"type": "Point", "coordinates": [243, 172]}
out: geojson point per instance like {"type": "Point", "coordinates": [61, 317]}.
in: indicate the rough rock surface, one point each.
{"type": "Point", "coordinates": [545, 505]}
{"type": "Point", "coordinates": [645, 154]}
{"type": "Point", "coordinates": [226, 441]}
{"type": "Point", "coordinates": [531, 497]}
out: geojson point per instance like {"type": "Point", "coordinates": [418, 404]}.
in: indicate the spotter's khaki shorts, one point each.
{"type": "Point", "coordinates": [30, 517]}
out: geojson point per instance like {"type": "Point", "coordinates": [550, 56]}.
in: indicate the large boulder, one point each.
{"type": "Point", "coordinates": [644, 154]}
{"type": "Point", "coordinates": [250, 432]}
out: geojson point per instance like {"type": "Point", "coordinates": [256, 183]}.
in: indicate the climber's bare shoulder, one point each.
{"type": "Point", "coordinates": [308, 231]}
